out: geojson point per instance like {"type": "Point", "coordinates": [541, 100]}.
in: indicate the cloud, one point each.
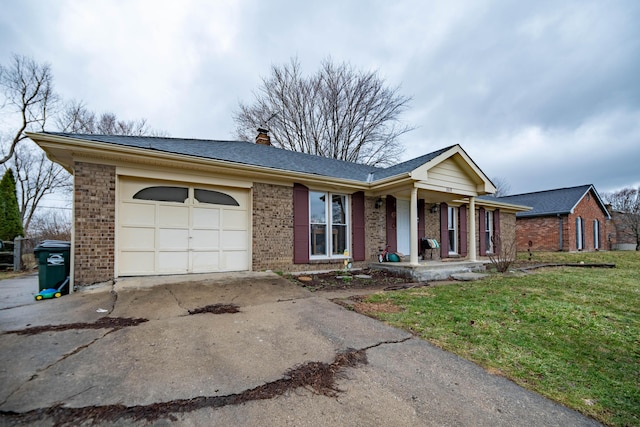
{"type": "Point", "coordinates": [541, 93]}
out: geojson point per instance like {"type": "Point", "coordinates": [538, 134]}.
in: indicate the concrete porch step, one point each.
{"type": "Point", "coordinates": [431, 270]}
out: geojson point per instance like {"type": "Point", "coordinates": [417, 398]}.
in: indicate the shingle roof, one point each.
{"type": "Point", "coordinates": [560, 201]}
{"type": "Point", "coordinates": [248, 153]}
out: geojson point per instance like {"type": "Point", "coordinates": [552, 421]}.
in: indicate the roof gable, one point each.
{"type": "Point", "coordinates": [453, 169]}
{"type": "Point", "coordinates": [561, 201]}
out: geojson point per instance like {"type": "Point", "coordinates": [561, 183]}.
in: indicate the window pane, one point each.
{"type": "Point", "coordinates": [215, 198]}
{"type": "Point", "coordinates": [317, 208]}
{"type": "Point", "coordinates": [452, 242]}
{"type": "Point", "coordinates": [489, 230]}
{"type": "Point", "coordinates": [318, 239]}
{"type": "Point", "coordinates": [453, 229]}
{"type": "Point", "coordinates": [163, 194]}
{"type": "Point", "coordinates": [338, 210]}
{"type": "Point", "coordinates": [339, 239]}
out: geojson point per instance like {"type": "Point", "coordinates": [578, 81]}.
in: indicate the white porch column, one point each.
{"type": "Point", "coordinates": [413, 227]}
{"type": "Point", "coordinates": [472, 228]}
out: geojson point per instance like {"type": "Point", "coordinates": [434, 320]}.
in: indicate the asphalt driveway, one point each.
{"type": "Point", "coordinates": [242, 349]}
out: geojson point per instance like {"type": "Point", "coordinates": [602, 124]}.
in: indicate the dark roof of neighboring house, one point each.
{"type": "Point", "coordinates": [560, 201]}
{"type": "Point", "coordinates": [249, 153]}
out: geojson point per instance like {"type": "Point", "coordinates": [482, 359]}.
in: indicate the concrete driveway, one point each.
{"type": "Point", "coordinates": [133, 354]}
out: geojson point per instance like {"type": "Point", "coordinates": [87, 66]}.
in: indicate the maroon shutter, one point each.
{"type": "Point", "coordinates": [497, 238]}
{"type": "Point", "coordinates": [463, 231]}
{"type": "Point", "coordinates": [444, 230]}
{"type": "Point", "coordinates": [357, 226]}
{"type": "Point", "coordinates": [482, 231]}
{"type": "Point", "coordinates": [300, 224]}
{"type": "Point", "coordinates": [421, 232]}
{"type": "Point", "coordinates": [392, 235]}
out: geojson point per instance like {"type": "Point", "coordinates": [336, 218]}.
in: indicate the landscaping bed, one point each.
{"type": "Point", "coordinates": [361, 279]}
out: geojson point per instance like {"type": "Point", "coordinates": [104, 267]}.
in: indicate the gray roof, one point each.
{"type": "Point", "coordinates": [249, 153]}
{"type": "Point", "coordinates": [560, 201]}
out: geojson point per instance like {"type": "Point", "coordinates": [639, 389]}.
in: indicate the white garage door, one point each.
{"type": "Point", "coordinates": [169, 228]}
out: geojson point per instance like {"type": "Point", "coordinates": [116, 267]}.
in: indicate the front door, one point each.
{"type": "Point", "coordinates": [403, 226]}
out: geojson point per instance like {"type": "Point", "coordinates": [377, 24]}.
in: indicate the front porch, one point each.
{"type": "Point", "coordinates": [425, 271]}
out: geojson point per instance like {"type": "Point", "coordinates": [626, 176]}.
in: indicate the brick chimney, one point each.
{"type": "Point", "coordinates": [263, 137]}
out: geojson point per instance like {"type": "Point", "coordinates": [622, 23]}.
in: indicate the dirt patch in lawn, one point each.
{"type": "Point", "coordinates": [362, 279]}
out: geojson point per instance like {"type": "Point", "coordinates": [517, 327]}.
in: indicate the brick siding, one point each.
{"type": "Point", "coordinates": [272, 227]}
{"type": "Point", "coordinates": [94, 237]}
{"type": "Point", "coordinates": [432, 229]}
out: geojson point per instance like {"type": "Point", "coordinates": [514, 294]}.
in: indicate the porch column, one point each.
{"type": "Point", "coordinates": [472, 228]}
{"type": "Point", "coordinates": [413, 227]}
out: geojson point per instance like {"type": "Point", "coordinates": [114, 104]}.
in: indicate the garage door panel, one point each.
{"type": "Point", "coordinates": [234, 260]}
{"type": "Point", "coordinates": [175, 262]}
{"type": "Point", "coordinates": [137, 238]}
{"type": "Point", "coordinates": [205, 261]}
{"type": "Point", "coordinates": [138, 263]}
{"type": "Point", "coordinates": [234, 240]}
{"type": "Point", "coordinates": [173, 239]}
{"type": "Point", "coordinates": [137, 214]}
{"type": "Point", "coordinates": [173, 216]}
{"type": "Point", "coordinates": [205, 240]}
{"type": "Point", "coordinates": [206, 218]}
{"type": "Point", "coordinates": [234, 219]}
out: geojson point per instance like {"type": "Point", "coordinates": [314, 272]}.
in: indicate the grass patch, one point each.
{"type": "Point", "coordinates": [571, 334]}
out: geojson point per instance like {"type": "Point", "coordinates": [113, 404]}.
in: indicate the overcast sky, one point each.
{"type": "Point", "coordinates": [542, 94]}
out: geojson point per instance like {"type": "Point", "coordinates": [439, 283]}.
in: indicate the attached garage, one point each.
{"type": "Point", "coordinates": [166, 227]}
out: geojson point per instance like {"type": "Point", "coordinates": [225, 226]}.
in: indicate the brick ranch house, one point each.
{"type": "Point", "coordinates": [154, 206]}
{"type": "Point", "coordinates": [563, 219]}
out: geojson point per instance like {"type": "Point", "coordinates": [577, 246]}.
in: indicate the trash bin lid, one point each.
{"type": "Point", "coordinates": [53, 244]}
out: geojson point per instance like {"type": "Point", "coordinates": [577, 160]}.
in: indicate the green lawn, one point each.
{"type": "Point", "coordinates": [572, 334]}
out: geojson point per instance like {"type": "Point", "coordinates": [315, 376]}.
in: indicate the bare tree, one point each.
{"type": "Point", "coordinates": [51, 224]}
{"type": "Point", "coordinates": [77, 118]}
{"type": "Point", "coordinates": [503, 188]}
{"type": "Point", "coordinates": [36, 177]}
{"type": "Point", "coordinates": [626, 206]}
{"type": "Point", "coordinates": [28, 93]}
{"type": "Point", "coordinates": [339, 113]}
{"type": "Point", "coordinates": [27, 90]}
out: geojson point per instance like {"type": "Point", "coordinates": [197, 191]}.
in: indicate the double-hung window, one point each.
{"type": "Point", "coordinates": [452, 221]}
{"type": "Point", "coordinates": [596, 234]}
{"type": "Point", "coordinates": [488, 233]}
{"type": "Point", "coordinates": [329, 224]}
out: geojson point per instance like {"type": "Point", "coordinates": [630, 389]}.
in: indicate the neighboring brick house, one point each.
{"type": "Point", "coordinates": [624, 236]}
{"type": "Point", "coordinates": [563, 219]}
{"type": "Point", "coordinates": [152, 206]}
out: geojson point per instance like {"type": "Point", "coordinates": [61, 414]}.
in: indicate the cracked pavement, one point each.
{"type": "Point", "coordinates": [191, 369]}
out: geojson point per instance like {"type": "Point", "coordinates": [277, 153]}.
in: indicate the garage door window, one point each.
{"type": "Point", "coordinates": [215, 198]}
{"type": "Point", "coordinates": [181, 194]}
{"type": "Point", "coordinates": [163, 194]}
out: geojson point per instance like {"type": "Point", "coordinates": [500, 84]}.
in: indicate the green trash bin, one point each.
{"type": "Point", "coordinates": [53, 264]}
